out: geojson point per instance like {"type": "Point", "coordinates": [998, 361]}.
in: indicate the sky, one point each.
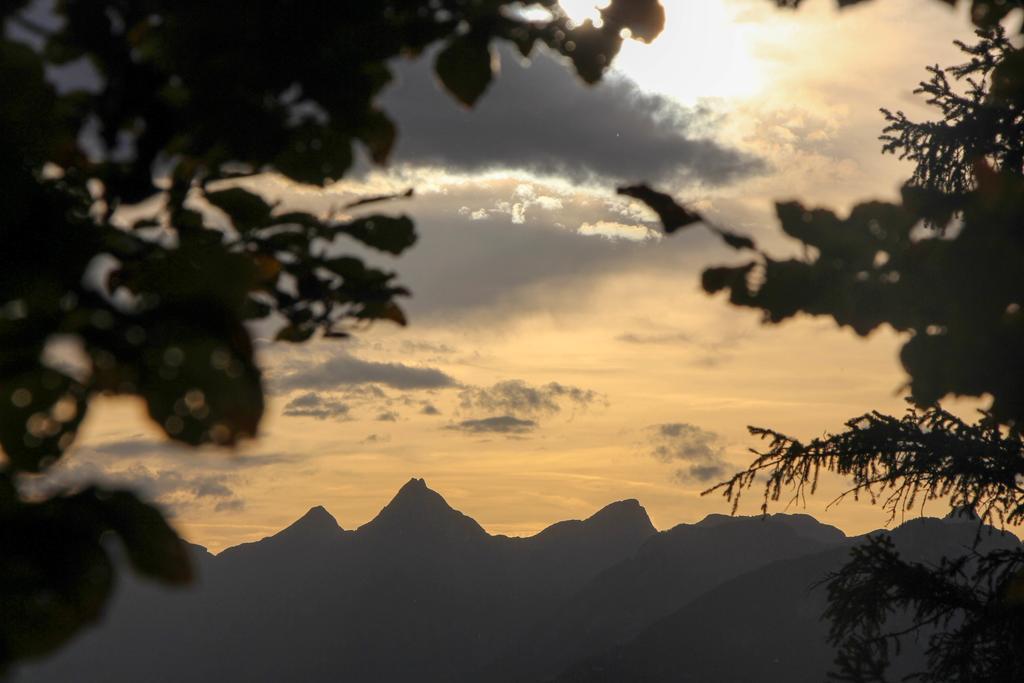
{"type": "Point", "coordinates": [560, 353]}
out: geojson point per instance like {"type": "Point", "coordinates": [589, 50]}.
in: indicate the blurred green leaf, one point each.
{"type": "Point", "coordinates": [672, 215]}
{"type": "Point", "coordinates": [56, 575]}
{"type": "Point", "coordinates": [392, 235]}
{"type": "Point", "coordinates": [247, 211]}
{"type": "Point", "coordinates": [154, 548]}
{"type": "Point", "coordinates": [466, 67]}
{"type": "Point", "coordinates": [200, 381]}
{"type": "Point", "coordinates": [40, 412]}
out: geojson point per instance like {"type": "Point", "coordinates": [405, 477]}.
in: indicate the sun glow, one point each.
{"type": "Point", "coordinates": [704, 51]}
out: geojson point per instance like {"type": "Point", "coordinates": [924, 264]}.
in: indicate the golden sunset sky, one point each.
{"type": "Point", "coordinates": [560, 353]}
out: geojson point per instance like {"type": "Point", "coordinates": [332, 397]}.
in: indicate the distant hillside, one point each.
{"type": "Point", "coordinates": [766, 625]}
{"type": "Point", "coordinates": [667, 572]}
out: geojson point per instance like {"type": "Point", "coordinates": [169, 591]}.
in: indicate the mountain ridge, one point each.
{"type": "Point", "coordinates": [423, 593]}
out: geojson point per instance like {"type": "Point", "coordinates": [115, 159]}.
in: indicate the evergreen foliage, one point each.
{"type": "Point", "coordinates": [957, 294]}
{"type": "Point", "coordinates": [969, 168]}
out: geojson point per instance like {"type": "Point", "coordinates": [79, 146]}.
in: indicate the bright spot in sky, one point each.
{"type": "Point", "coordinates": [703, 52]}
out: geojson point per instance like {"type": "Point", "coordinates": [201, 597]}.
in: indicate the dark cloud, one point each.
{"type": "Point", "coordinates": [387, 416]}
{"type": "Point", "coordinates": [541, 118]}
{"type": "Point", "coordinates": [429, 409]}
{"type": "Point", "coordinates": [343, 370]}
{"type": "Point", "coordinates": [365, 393]}
{"type": "Point", "coordinates": [679, 442]}
{"type": "Point", "coordinates": [211, 487]}
{"type": "Point", "coordinates": [502, 264]}
{"type": "Point", "coordinates": [232, 505]}
{"type": "Point", "coordinates": [682, 441]}
{"type": "Point", "coordinates": [516, 397]}
{"type": "Point", "coordinates": [312, 404]}
{"type": "Point", "coordinates": [701, 473]}
{"type": "Point", "coordinates": [503, 424]}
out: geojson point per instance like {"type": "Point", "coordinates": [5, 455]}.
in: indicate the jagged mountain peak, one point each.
{"type": "Point", "coordinates": [415, 489]}
{"type": "Point", "coordinates": [317, 526]}
{"type": "Point", "coordinates": [416, 497]}
{"type": "Point", "coordinates": [316, 522]}
{"type": "Point", "coordinates": [623, 513]}
{"type": "Point", "coordinates": [417, 510]}
{"type": "Point", "coordinates": [317, 517]}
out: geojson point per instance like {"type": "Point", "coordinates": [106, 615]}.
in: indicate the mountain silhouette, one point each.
{"type": "Point", "coordinates": [316, 528]}
{"type": "Point", "coordinates": [423, 593]}
{"type": "Point", "coordinates": [314, 523]}
{"type": "Point", "coordinates": [419, 515]}
{"type": "Point", "coordinates": [765, 625]}
{"type": "Point", "coordinates": [668, 571]}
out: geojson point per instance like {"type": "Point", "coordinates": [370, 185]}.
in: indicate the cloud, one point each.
{"type": "Point", "coordinates": [170, 487]}
{"type": "Point", "coordinates": [543, 262]}
{"type": "Point", "coordinates": [312, 404]}
{"type": "Point", "coordinates": [541, 118]}
{"type": "Point", "coordinates": [139, 446]}
{"type": "Point", "coordinates": [701, 473]}
{"type": "Point", "coordinates": [232, 505]}
{"type": "Point", "coordinates": [387, 416]}
{"type": "Point", "coordinates": [429, 409]}
{"type": "Point", "coordinates": [613, 230]}
{"type": "Point", "coordinates": [343, 370]}
{"type": "Point", "coordinates": [712, 352]}
{"type": "Point", "coordinates": [656, 338]}
{"type": "Point", "coordinates": [503, 424]}
{"type": "Point", "coordinates": [414, 346]}
{"type": "Point", "coordinates": [523, 199]}
{"type": "Point", "coordinates": [679, 442]}
{"type": "Point", "coordinates": [365, 393]}
{"type": "Point", "coordinates": [516, 397]}
{"type": "Point", "coordinates": [169, 452]}
{"type": "Point", "coordinates": [210, 487]}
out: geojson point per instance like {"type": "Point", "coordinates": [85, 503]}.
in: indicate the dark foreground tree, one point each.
{"type": "Point", "coordinates": [185, 97]}
{"type": "Point", "coordinates": [945, 268]}
{"type": "Point", "coordinates": [954, 289]}
{"type": "Point", "coordinates": [968, 609]}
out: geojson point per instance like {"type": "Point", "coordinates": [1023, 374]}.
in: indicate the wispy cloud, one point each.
{"type": "Point", "coordinates": [502, 424]}
{"type": "Point", "coordinates": [318, 406]}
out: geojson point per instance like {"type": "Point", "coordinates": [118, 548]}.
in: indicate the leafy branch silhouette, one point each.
{"type": "Point", "coordinates": [191, 97]}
